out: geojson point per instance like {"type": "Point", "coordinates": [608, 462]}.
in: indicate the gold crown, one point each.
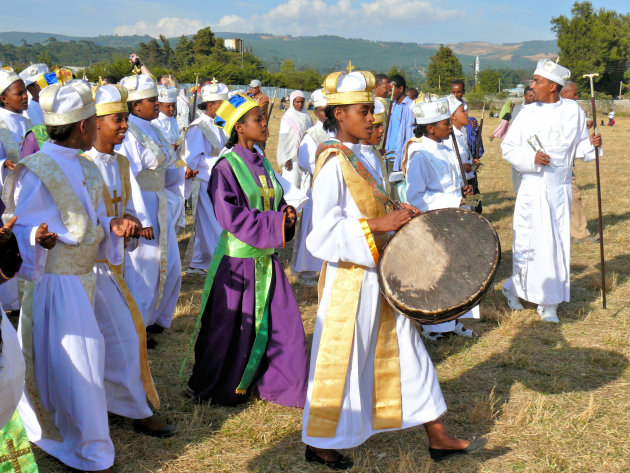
{"type": "Point", "coordinates": [333, 97]}
{"type": "Point", "coordinates": [111, 107]}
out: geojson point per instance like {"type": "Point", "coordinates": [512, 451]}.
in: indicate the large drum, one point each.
{"type": "Point", "coordinates": [439, 265]}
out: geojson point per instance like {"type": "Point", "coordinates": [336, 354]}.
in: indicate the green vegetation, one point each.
{"type": "Point", "coordinates": [443, 69]}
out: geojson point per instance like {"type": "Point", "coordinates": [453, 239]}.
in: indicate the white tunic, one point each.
{"type": "Point", "coordinates": [541, 249]}
{"type": "Point", "coordinates": [69, 349]}
{"type": "Point", "coordinates": [123, 382]}
{"type": "Point", "coordinates": [34, 112]}
{"type": "Point", "coordinates": [11, 370]}
{"type": "Point", "coordinates": [464, 153]}
{"type": "Point", "coordinates": [142, 267]}
{"type": "Point", "coordinates": [302, 261]}
{"type": "Point", "coordinates": [337, 236]}
{"type": "Point", "coordinates": [201, 156]}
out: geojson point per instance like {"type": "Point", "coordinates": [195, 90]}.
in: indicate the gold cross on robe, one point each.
{"type": "Point", "coordinates": [115, 201]}
{"type": "Point", "coordinates": [266, 192]}
{"type": "Point", "coordinates": [14, 456]}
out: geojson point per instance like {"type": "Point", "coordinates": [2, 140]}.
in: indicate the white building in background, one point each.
{"type": "Point", "coordinates": [233, 44]}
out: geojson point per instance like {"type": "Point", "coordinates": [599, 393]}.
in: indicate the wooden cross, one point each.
{"type": "Point", "coordinates": [266, 192]}
{"type": "Point", "coordinates": [14, 456]}
{"type": "Point", "coordinates": [115, 201]}
{"type": "Point", "coordinates": [350, 67]}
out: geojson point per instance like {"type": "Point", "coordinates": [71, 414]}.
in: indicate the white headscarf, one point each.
{"type": "Point", "coordinates": [292, 128]}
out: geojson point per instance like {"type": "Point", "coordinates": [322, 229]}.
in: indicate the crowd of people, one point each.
{"type": "Point", "coordinates": [95, 183]}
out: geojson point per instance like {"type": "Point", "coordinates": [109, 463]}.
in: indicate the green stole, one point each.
{"type": "Point", "coordinates": [231, 246]}
{"type": "Point", "coordinates": [16, 455]}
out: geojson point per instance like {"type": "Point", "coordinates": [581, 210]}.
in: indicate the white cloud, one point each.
{"type": "Point", "coordinates": [313, 17]}
{"type": "Point", "coordinates": [169, 27]}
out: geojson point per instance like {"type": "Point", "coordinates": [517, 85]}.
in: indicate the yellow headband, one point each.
{"type": "Point", "coordinates": [231, 110]}
{"type": "Point", "coordinates": [110, 108]}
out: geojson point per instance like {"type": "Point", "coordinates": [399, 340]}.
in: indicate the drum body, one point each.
{"type": "Point", "coordinates": [438, 266]}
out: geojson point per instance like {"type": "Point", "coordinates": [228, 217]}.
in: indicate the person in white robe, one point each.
{"type": "Point", "coordinates": [542, 143]}
{"type": "Point", "coordinates": [176, 179]}
{"type": "Point", "coordinates": [434, 180]}
{"type": "Point", "coordinates": [303, 263]}
{"type": "Point", "coordinates": [31, 77]}
{"type": "Point", "coordinates": [293, 125]}
{"type": "Point", "coordinates": [354, 391]}
{"type": "Point", "coordinates": [13, 126]}
{"type": "Point", "coordinates": [117, 314]}
{"type": "Point", "coordinates": [64, 406]}
{"type": "Point", "coordinates": [153, 270]}
{"type": "Point", "coordinates": [202, 146]}
{"type": "Point", "coordinates": [528, 98]}
{"type": "Point", "coordinates": [183, 110]}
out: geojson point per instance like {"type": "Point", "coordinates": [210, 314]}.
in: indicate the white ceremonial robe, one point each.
{"type": "Point", "coordinates": [183, 110]}
{"type": "Point", "coordinates": [338, 236]}
{"type": "Point", "coordinates": [293, 126]}
{"type": "Point", "coordinates": [17, 124]}
{"type": "Point", "coordinates": [11, 370]}
{"type": "Point", "coordinates": [302, 261]}
{"type": "Point", "coordinates": [464, 153]}
{"type": "Point", "coordinates": [69, 349]}
{"type": "Point", "coordinates": [123, 381]}
{"type": "Point", "coordinates": [35, 112]}
{"type": "Point", "coordinates": [201, 156]}
{"type": "Point", "coordinates": [175, 178]}
{"type": "Point", "coordinates": [541, 242]}
{"type": "Point", "coordinates": [434, 182]}
{"type": "Point", "coordinates": [142, 266]}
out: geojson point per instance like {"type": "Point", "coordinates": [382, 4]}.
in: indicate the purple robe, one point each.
{"type": "Point", "coordinates": [227, 328]}
{"type": "Point", "coordinates": [30, 145]}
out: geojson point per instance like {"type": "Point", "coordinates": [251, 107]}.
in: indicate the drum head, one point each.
{"type": "Point", "coordinates": [439, 265]}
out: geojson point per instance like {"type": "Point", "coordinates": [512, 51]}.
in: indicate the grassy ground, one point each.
{"type": "Point", "coordinates": [550, 398]}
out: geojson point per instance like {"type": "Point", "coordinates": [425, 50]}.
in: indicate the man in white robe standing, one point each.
{"type": "Point", "coordinates": [202, 146]}
{"type": "Point", "coordinates": [31, 76]}
{"type": "Point", "coordinates": [293, 125]}
{"type": "Point", "coordinates": [303, 263]}
{"type": "Point", "coordinates": [153, 270]}
{"type": "Point", "coordinates": [541, 143]}
{"type": "Point", "coordinates": [64, 406]}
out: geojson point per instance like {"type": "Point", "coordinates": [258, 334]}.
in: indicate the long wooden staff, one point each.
{"type": "Point", "coordinates": [459, 159]}
{"type": "Point", "coordinates": [194, 102]}
{"type": "Point", "coordinates": [599, 194]}
{"type": "Point", "coordinates": [273, 102]}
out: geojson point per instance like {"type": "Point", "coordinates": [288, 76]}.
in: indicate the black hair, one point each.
{"type": "Point", "coordinates": [459, 82]}
{"type": "Point", "coordinates": [421, 130]}
{"type": "Point", "coordinates": [234, 135]}
{"type": "Point", "coordinates": [130, 106]}
{"type": "Point", "coordinates": [59, 132]}
{"type": "Point", "coordinates": [527, 89]}
{"type": "Point", "coordinates": [380, 78]}
{"type": "Point", "coordinates": [399, 80]}
{"type": "Point", "coordinates": [203, 106]}
{"type": "Point", "coordinates": [110, 79]}
{"type": "Point", "coordinates": [2, 95]}
{"type": "Point", "coordinates": [331, 124]}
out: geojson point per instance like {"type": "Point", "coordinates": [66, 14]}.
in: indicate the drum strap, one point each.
{"type": "Point", "coordinates": [335, 349]}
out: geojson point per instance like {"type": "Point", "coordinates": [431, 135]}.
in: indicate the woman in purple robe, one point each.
{"type": "Point", "coordinates": [251, 339]}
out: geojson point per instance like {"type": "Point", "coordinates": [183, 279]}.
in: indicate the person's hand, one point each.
{"type": "Point", "coordinates": [10, 165]}
{"type": "Point", "coordinates": [7, 230]}
{"type": "Point", "coordinates": [291, 216]}
{"type": "Point", "coordinates": [288, 165]}
{"type": "Point", "coordinates": [542, 159]}
{"type": "Point", "coordinates": [44, 238]}
{"type": "Point", "coordinates": [596, 140]}
{"type": "Point", "coordinates": [392, 221]}
{"type": "Point", "coordinates": [132, 58]}
{"type": "Point", "coordinates": [476, 161]}
{"type": "Point", "coordinates": [410, 208]}
{"type": "Point", "coordinates": [589, 123]}
{"type": "Point", "coordinates": [175, 146]}
{"type": "Point", "coordinates": [467, 167]}
{"type": "Point", "coordinates": [190, 173]}
{"type": "Point", "coordinates": [127, 226]}
{"type": "Point", "coordinates": [147, 233]}
{"type": "Point", "coordinates": [467, 191]}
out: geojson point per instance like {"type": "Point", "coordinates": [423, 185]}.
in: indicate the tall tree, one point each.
{"type": "Point", "coordinates": [203, 42]}
{"type": "Point", "coordinates": [489, 81]}
{"type": "Point", "coordinates": [444, 67]}
{"type": "Point", "coordinates": [168, 52]}
{"type": "Point", "coordinates": [594, 41]}
{"type": "Point", "coordinates": [151, 53]}
{"type": "Point", "coordinates": [184, 54]}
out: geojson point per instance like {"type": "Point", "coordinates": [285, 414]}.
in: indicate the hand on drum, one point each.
{"type": "Point", "coordinates": [393, 220]}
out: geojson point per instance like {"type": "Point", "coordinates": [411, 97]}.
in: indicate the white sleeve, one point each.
{"type": "Point", "coordinates": [139, 157]}
{"type": "Point", "coordinates": [423, 190]}
{"type": "Point", "coordinates": [306, 154]}
{"type": "Point", "coordinates": [195, 150]}
{"type": "Point", "coordinates": [136, 202]}
{"type": "Point", "coordinates": [336, 236]}
{"type": "Point", "coordinates": [516, 150]}
{"type": "Point", "coordinates": [112, 247]}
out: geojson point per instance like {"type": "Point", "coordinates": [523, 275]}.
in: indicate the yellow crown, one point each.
{"type": "Point", "coordinates": [109, 108]}
{"type": "Point", "coordinates": [231, 110]}
{"type": "Point", "coordinates": [335, 97]}
{"type": "Point", "coordinates": [380, 117]}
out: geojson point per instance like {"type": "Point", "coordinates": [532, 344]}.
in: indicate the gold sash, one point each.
{"type": "Point", "coordinates": [335, 347]}
{"type": "Point", "coordinates": [11, 148]}
{"type": "Point", "coordinates": [152, 180]}
{"type": "Point", "coordinates": [116, 270]}
{"type": "Point", "coordinates": [406, 156]}
{"type": "Point", "coordinates": [76, 220]}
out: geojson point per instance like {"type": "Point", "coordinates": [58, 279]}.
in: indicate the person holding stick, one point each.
{"type": "Point", "coordinates": [542, 143]}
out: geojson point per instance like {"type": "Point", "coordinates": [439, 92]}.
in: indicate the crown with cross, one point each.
{"type": "Point", "coordinates": [349, 86]}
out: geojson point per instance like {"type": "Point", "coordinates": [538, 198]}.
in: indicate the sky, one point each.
{"type": "Point", "coordinates": [420, 21]}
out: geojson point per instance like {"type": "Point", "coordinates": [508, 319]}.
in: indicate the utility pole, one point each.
{"type": "Point", "coordinates": [620, 84]}
{"type": "Point", "coordinates": [439, 82]}
{"type": "Point", "coordinates": [499, 85]}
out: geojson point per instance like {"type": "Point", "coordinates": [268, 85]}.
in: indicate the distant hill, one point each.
{"type": "Point", "coordinates": [327, 53]}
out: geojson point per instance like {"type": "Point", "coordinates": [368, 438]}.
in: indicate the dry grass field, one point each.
{"type": "Point", "coordinates": [550, 398]}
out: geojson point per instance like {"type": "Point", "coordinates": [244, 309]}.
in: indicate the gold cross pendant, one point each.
{"type": "Point", "coordinates": [266, 192]}
{"type": "Point", "coordinates": [115, 201]}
